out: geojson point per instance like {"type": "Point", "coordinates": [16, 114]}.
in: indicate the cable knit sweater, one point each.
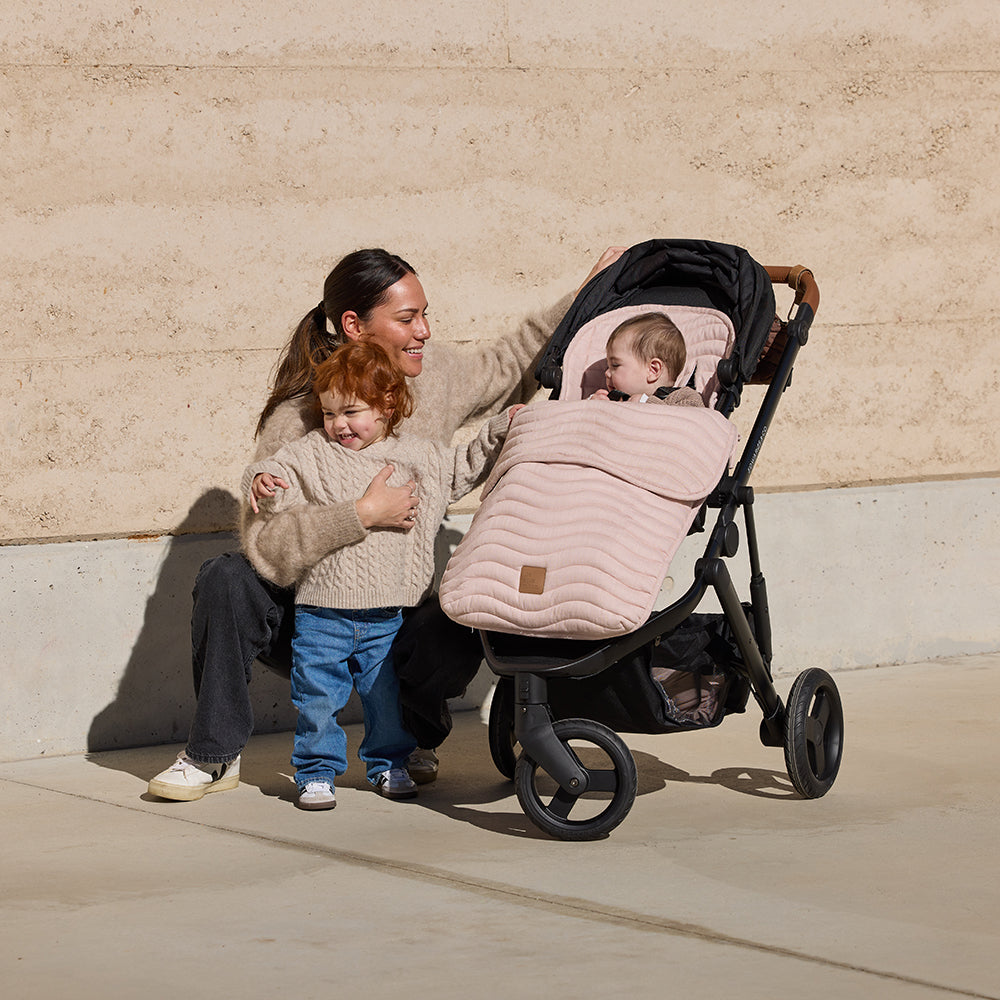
{"type": "Point", "coordinates": [381, 567]}
{"type": "Point", "coordinates": [458, 383]}
{"type": "Point", "coordinates": [683, 396]}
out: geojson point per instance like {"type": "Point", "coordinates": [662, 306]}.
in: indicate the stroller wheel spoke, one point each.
{"type": "Point", "coordinates": [814, 730]}
{"type": "Point", "coordinates": [822, 711]}
{"type": "Point", "coordinates": [817, 751]}
{"type": "Point", "coordinates": [602, 781]}
{"type": "Point", "coordinates": [561, 804]}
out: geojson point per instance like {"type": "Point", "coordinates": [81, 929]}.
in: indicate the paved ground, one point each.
{"type": "Point", "coordinates": [720, 882]}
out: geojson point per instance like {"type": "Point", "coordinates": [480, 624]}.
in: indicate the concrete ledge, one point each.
{"type": "Point", "coordinates": [97, 633]}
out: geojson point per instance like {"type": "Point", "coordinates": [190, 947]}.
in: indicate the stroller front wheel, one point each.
{"type": "Point", "coordinates": [814, 733]}
{"type": "Point", "coordinates": [612, 788]}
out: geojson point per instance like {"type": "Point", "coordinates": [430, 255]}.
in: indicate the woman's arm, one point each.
{"type": "Point", "coordinates": [473, 461]}
{"type": "Point", "coordinates": [282, 546]}
{"type": "Point", "coordinates": [288, 536]}
{"type": "Point", "coordinates": [470, 381]}
{"type": "Point", "coordinates": [464, 382]}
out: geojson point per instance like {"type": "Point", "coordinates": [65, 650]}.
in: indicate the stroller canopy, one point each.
{"type": "Point", "coordinates": [676, 272]}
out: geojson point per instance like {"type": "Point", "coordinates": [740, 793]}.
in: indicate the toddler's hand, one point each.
{"type": "Point", "coordinates": [264, 485]}
{"type": "Point", "coordinates": [600, 394]}
{"type": "Point", "coordinates": [513, 411]}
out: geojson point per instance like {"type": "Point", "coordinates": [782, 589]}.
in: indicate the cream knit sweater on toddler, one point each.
{"type": "Point", "coordinates": [380, 567]}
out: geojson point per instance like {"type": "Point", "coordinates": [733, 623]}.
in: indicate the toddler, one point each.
{"type": "Point", "coordinates": [348, 604]}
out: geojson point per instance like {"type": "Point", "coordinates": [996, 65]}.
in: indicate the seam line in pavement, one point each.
{"type": "Point", "coordinates": [569, 906]}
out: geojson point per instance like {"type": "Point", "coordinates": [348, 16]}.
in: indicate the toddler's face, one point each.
{"type": "Point", "coordinates": [625, 372]}
{"type": "Point", "coordinates": [350, 422]}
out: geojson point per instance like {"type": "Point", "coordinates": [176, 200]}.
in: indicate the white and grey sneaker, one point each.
{"type": "Point", "coordinates": [186, 780]}
{"type": "Point", "coordinates": [422, 766]}
{"type": "Point", "coordinates": [317, 795]}
{"type": "Point", "coordinates": [396, 784]}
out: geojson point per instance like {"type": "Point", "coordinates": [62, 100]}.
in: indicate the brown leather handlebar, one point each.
{"type": "Point", "coordinates": [801, 279]}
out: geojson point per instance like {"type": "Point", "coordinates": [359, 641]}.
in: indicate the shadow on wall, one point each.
{"type": "Point", "coordinates": [155, 701]}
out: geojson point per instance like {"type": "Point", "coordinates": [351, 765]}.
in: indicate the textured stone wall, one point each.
{"type": "Point", "coordinates": [178, 178]}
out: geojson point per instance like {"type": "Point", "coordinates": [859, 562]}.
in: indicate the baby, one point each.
{"type": "Point", "coordinates": [646, 354]}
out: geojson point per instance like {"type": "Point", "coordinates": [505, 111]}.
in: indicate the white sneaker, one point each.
{"type": "Point", "coordinates": [186, 780]}
{"type": "Point", "coordinates": [396, 784]}
{"type": "Point", "coordinates": [422, 766]}
{"type": "Point", "coordinates": [317, 795]}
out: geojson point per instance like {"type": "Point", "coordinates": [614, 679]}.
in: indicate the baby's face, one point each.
{"type": "Point", "coordinates": [625, 372]}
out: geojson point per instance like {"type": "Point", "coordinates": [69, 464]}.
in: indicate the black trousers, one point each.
{"type": "Point", "coordinates": [239, 617]}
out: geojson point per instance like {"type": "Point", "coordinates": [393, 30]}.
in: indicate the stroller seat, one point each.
{"type": "Point", "coordinates": [708, 338]}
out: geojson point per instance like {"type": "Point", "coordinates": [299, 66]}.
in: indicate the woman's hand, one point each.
{"type": "Point", "coordinates": [385, 506]}
{"type": "Point", "coordinates": [264, 485]}
{"type": "Point", "coordinates": [605, 260]}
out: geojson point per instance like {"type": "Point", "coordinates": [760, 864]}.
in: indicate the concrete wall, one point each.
{"type": "Point", "coordinates": [178, 179]}
{"type": "Point", "coordinates": [100, 655]}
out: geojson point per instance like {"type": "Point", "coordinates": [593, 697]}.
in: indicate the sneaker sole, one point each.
{"type": "Point", "coordinates": [422, 777]}
{"type": "Point", "coordinates": [410, 794]}
{"type": "Point", "coordinates": [314, 806]}
{"type": "Point", "coordinates": [181, 793]}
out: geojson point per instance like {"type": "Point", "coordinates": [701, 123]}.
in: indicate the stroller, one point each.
{"type": "Point", "coordinates": [564, 608]}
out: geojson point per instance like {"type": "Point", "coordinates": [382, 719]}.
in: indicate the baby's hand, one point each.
{"type": "Point", "coordinates": [600, 394]}
{"type": "Point", "coordinates": [264, 485]}
{"type": "Point", "coordinates": [513, 411]}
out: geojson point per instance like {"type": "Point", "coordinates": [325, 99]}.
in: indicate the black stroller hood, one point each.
{"type": "Point", "coordinates": [675, 272]}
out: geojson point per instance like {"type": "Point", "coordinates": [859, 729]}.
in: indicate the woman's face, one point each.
{"type": "Point", "coordinates": [399, 325]}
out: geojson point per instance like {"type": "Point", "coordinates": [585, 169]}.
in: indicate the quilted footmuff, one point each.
{"type": "Point", "coordinates": [581, 515]}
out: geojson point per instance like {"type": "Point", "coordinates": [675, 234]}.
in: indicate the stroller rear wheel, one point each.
{"type": "Point", "coordinates": [612, 786]}
{"type": "Point", "coordinates": [501, 728]}
{"type": "Point", "coordinates": [814, 733]}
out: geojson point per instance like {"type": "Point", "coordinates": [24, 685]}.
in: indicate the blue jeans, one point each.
{"type": "Point", "coordinates": [333, 651]}
{"type": "Point", "coordinates": [239, 617]}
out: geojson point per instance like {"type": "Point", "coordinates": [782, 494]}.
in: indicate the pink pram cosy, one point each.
{"type": "Point", "coordinates": [582, 513]}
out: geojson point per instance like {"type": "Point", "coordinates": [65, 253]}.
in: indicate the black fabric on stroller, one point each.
{"type": "Point", "coordinates": [699, 683]}
{"type": "Point", "coordinates": [675, 272]}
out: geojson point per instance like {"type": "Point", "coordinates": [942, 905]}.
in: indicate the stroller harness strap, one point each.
{"type": "Point", "coordinates": [582, 513]}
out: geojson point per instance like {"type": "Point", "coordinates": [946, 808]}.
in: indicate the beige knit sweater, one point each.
{"type": "Point", "coordinates": [381, 567]}
{"type": "Point", "coordinates": [459, 383]}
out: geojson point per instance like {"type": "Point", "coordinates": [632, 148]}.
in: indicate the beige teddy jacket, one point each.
{"type": "Point", "coordinates": [458, 383]}
{"type": "Point", "coordinates": [385, 567]}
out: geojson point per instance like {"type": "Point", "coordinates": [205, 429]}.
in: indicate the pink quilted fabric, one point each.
{"type": "Point", "coordinates": [708, 337]}
{"type": "Point", "coordinates": [585, 508]}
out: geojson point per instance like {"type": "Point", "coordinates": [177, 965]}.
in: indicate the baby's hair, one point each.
{"type": "Point", "coordinates": [362, 370]}
{"type": "Point", "coordinates": [653, 335]}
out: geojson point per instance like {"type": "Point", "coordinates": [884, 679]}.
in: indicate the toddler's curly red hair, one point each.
{"type": "Point", "coordinates": [362, 370]}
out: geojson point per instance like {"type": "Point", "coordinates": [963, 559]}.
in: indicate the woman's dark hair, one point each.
{"type": "Point", "coordinates": [358, 284]}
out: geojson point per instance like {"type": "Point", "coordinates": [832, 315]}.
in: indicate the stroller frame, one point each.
{"type": "Point", "coordinates": [809, 727]}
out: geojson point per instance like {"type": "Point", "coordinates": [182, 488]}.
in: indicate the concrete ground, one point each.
{"type": "Point", "coordinates": [720, 882]}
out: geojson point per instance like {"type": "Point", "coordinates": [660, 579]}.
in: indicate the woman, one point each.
{"type": "Point", "coordinates": [240, 616]}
